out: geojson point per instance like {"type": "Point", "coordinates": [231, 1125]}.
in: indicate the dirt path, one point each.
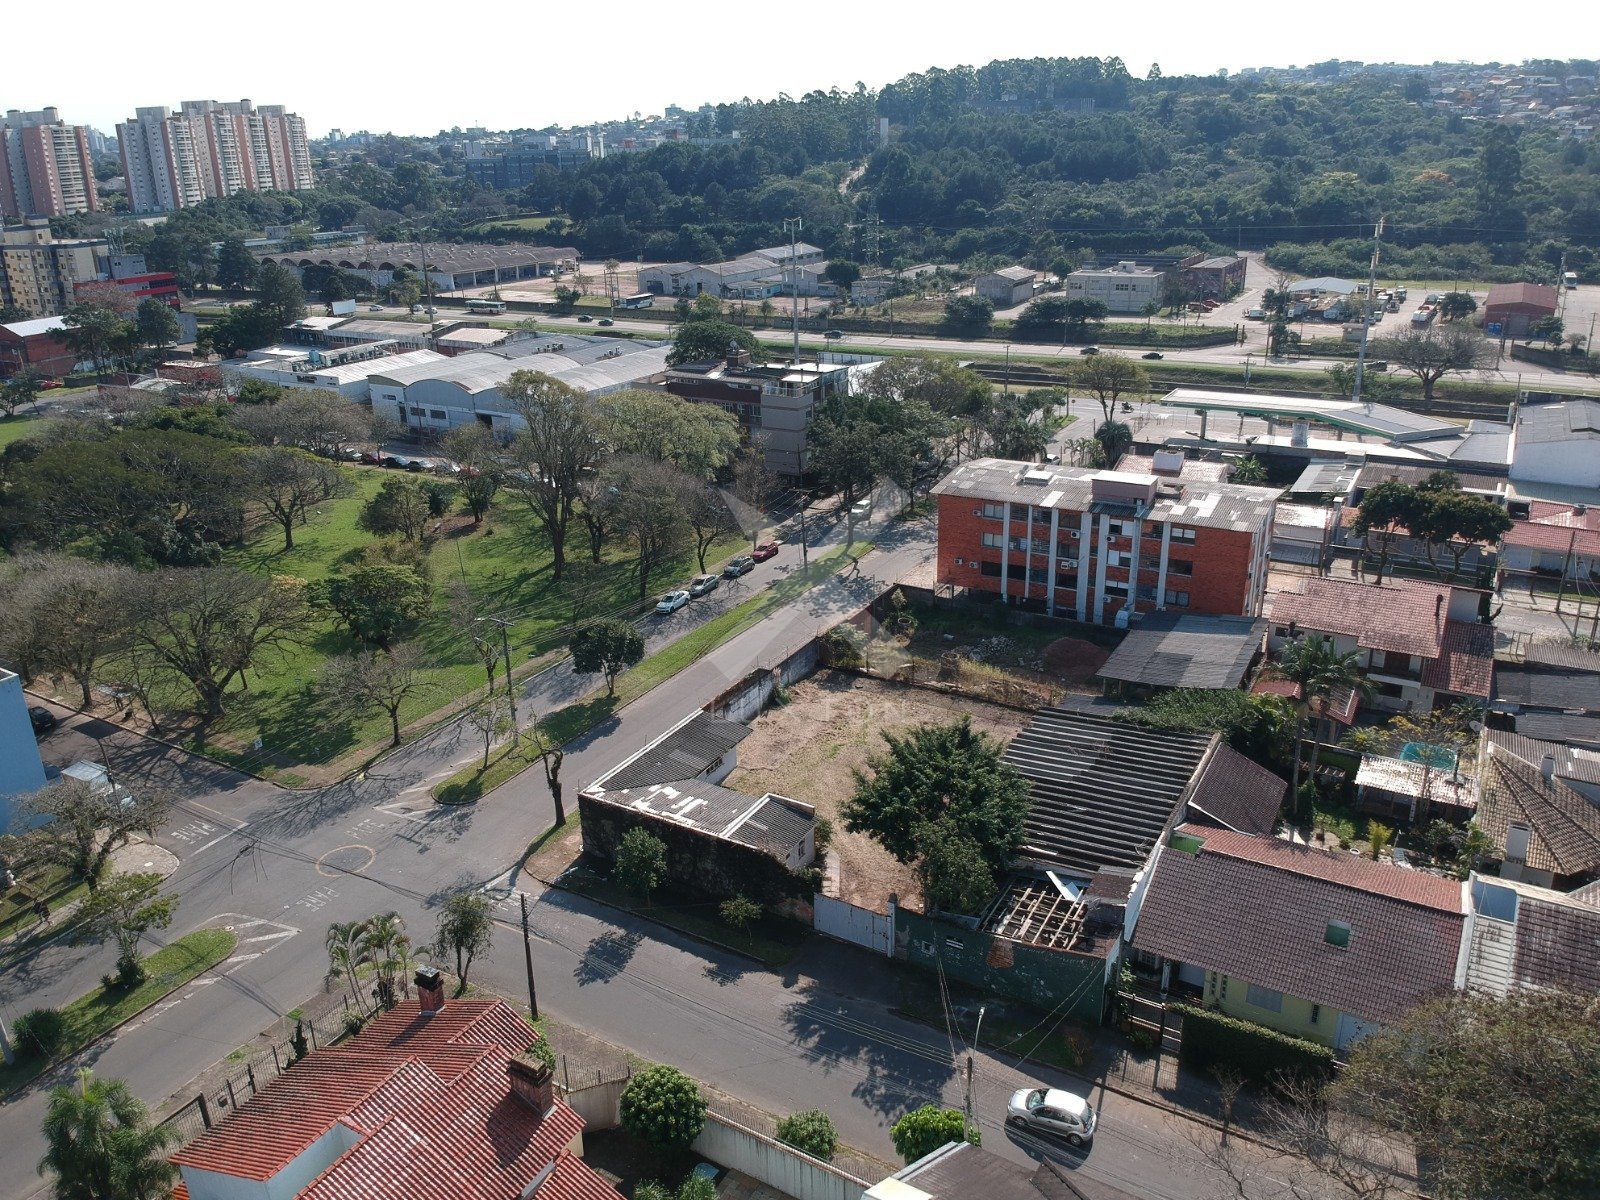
{"type": "Point", "coordinates": [810, 748]}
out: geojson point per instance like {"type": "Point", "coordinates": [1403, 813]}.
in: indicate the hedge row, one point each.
{"type": "Point", "coordinates": [1256, 1052]}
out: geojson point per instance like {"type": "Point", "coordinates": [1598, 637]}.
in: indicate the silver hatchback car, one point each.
{"type": "Point", "coordinates": [1051, 1110]}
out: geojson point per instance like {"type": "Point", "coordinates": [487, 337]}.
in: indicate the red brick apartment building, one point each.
{"type": "Point", "coordinates": [1077, 542]}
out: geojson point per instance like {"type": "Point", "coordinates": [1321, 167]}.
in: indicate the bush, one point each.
{"type": "Point", "coordinates": [923, 1130]}
{"type": "Point", "coordinates": [740, 913]}
{"type": "Point", "coordinates": [662, 1106]}
{"type": "Point", "coordinates": [811, 1131]}
{"type": "Point", "coordinates": [1261, 1055]}
{"type": "Point", "coordinates": [41, 1033]}
{"type": "Point", "coordinates": [542, 1051]}
{"type": "Point", "coordinates": [641, 861]}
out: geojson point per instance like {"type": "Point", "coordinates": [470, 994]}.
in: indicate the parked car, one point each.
{"type": "Point", "coordinates": [1151, 354]}
{"type": "Point", "coordinates": [419, 464]}
{"type": "Point", "coordinates": [672, 601]}
{"type": "Point", "coordinates": [1256, 314]}
{"type": "Point", "coordinates": [1051, 1110]}
{"type": "Point", "coordinates": [43, 720]}
{"type": "Point", "coordinates": [764, 551]}
{"type": "Point", "coordinates": [860, 509]}
{"type": "Point", "coordinates": [372, 458]}
{"type": "Point", "coordinates": [585, 317]}
{"type": "Point", "coordinates": [396, 462]}
{"type": "Point", "coordinates": [606, 321]}
{"type": "Point", "coordinates": [1090, 350]}
{"type": "Point", "coordinates": [736, 567]}
{"type": "Point", "coordinates": [701, 584]}
{"type": "Point", "coordinates": [1379, 365]}
{"type": "Point", "coordinates": [833, 335]}
{"type": "Point", "coordinates": [374, 308]}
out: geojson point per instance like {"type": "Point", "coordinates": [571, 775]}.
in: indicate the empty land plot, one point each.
{"type": "Point", "coordinates": [810, 747]}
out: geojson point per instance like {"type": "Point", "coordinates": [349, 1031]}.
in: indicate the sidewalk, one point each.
{"type": "Point", "coordinates": [138, 855]}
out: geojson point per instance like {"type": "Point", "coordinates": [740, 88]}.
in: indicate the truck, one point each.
{"type": "Point", "coordinates": [1423, 317]}
{"type": "Point", "coordinates": [1570, 279]}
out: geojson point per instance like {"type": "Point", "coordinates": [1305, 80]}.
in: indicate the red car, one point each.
{"type": "Point", "coordinates": [764, 551]}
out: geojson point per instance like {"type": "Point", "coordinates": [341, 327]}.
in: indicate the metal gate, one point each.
{"type": "Point", "coordinates": [848, 923]}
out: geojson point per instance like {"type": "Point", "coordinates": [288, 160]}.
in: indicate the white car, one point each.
{"type": "Point", "coordinates": [1051, 1110]}
{"type": "Point", "coordinates": [672, 601]}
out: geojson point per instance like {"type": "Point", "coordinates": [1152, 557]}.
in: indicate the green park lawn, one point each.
{"type": "Point", "coordinates": [14, 428]}
{"type": "Point", "coordinates": [532, 223]}
{"type": "Point", "coordinates": [506, 562]}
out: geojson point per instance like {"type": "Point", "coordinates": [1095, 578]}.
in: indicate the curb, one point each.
{"type": "Point", "coordinates": [23, 1089]}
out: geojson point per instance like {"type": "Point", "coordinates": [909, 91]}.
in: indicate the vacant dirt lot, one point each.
{"type": "Point", "coordinates": [808, 748]}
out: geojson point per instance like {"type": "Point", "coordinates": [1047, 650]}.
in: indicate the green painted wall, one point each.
{"type": "Point", "coordinates": [1043, 978]}
{"type": "Point", "coordinates": [1231, 996]}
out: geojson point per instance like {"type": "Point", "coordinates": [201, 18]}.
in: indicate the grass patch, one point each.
{"type": "Point", "coordinates": [507, 563]}
{"type": "Point", "coordinates": [531, 223]}
{"type": "Point", "coordinates": [506, 762]}
{"type": "Point", "coordinates": [14, 429]}
{"type": "Point", "coordinates": [1008, 1028]}
{"type": "Point", "coordinates": [93, 1015]}
{"type": "Point", "coordinates": [52, 883]}
{"type": "Point", "coordinates": [773, 940]}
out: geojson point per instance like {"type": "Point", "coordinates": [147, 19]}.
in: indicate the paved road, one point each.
{"type": "Point", "coordinates": [279, 867]}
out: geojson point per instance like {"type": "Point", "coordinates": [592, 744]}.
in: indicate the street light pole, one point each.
{"type": "Point", "coordinates": [527, 956]}
{"type": "Point", "coordinates": [976, 1033]}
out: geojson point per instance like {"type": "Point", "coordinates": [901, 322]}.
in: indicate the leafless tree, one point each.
{"type": "Point", "coordinates": [287, 483]}
{"type": "Point", "coordinates": [382, 679]}
{"type": "Point", "coordinates": [467, 613]}
{"type": "Point", "coordinates": [1434, 352]}
{"type": "Point", "coordinates": [489, 719]}
{"type": "Point", "coordinates": [706, 514]}
{"type": "Point", "coordinates": [208, 624]}
{"type": "Point", "coordinates": [650, 514]}
{"type": "Point", "coordinates": [87, 824]}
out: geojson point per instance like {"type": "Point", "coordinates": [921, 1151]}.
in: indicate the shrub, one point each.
{"type": "Point", "coordinates": [824, 835]}
{"type": "Point", "coordinates": [661, 1105]}
{"type": "Point", "coordinates": [41, 1033]}
{"type": "Point", "coordinates": [923, 1130]}
{"type": "Point", "coordinates": [740, 912]}
{"type": "Point", "coordinates": [641, 861]}
{"type": "Point", "coordinates": [542, 1051]}
{"type": "Point", "coordinates": [1260, 1054]}
{"type": "Point", "coordinates": [811, 1131]}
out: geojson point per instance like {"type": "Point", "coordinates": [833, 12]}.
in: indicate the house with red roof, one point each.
{"type": "Point", "coordinates": [430, 1099]}
{"type": "Point", "coordinates": [1516, 306]}
{"type": "Point", "coordinates": [1420, 642]}
{"type": "Point", "coordinates": [1314, 943]}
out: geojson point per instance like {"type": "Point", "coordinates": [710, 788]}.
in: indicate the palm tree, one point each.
{"type": "Point", "coordinates": [388, 949]}
{"type": "Point", "coordinates": [1320, 671]}
{"type": "Point", "coordinates": [346, 953]}
{"type": "Point", "coordinates": [100, 1143]}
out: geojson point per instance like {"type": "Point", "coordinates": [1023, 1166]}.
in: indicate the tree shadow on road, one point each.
{"type": "Point", "coordinates": [900, 1068]}
{"type": "Point", "coordinates": [607, 956]}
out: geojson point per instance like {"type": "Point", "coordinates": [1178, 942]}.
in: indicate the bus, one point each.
{"type": "Point", "coordinates": [486, 306]}
{"type": "Point", "coordinates": [1570, 279]}
{"type": "Point", "coordinates": [642, 300]}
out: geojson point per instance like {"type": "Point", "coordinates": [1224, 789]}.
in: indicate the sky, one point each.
{"type": "Point", "coordinates": [415, 68]}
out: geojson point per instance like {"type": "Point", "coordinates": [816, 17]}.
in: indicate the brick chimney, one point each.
{"type": "Point", "coordinates": [430, 989]}
{"type": "Point", "coordinates": [738, 357]}
{"type": "Point", "coordinates": [532, 1082]}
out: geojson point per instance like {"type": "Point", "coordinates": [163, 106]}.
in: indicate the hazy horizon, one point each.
{"type": "Point", "coordinates": [336, 77]}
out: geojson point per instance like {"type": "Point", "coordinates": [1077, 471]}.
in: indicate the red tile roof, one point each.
{"type": "Point", "coordinates": [1406, 616]}
{"type": "Point", "coordinates": [1340, 706]}
{"type": "Point", "coordinates": [428, 1107]}
{"type": "Point", "coordinates": [1258, 910]}
{"type": "Point", "coordinates": [1563, 827]}
{"type": "Point", "coordinates": [1465, 666]}
{"type": "Point", "coordinates": [1345, 870]}
{"type": "Point", "coordinates": [1557, 527]}
{"type": "Point", "coordinates": [1540, 295]}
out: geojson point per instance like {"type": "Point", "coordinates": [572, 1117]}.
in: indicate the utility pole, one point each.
{"type": "Point", "coordinates": [527, 956]}
{"type": "Point", "coordinates": [1366, 311]}
{"type": "Point", "coordinates": [427, 280]}
{"type": "Point", "coordinates": [976, 1033]}
{"type": "Point", "coordinates": [791, 226]}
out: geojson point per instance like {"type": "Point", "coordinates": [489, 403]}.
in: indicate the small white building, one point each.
{"type": "Point", "coordinates": [1127, 287]}
{"type": "Point", "coordinates": [1007, 287]}
{"type": "Point", "coordinates": [1558, 443]}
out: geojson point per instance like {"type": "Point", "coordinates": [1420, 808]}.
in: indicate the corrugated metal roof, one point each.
{"type": "Point", "coordinates": [685, 751]}
{"type": "Point", "coordinates": [1100, 791]}
{"type": "Point", "coordinates": [1187, 651]}
{"type": "Point", "coordinates": [35, 327]}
